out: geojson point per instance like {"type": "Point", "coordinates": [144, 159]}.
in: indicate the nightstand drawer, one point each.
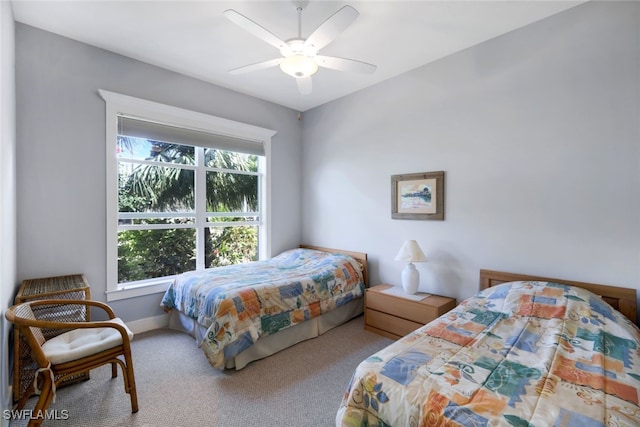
{"type": "Point", "coordinates": [389, 323]}
{"type": "Point", "coordinates": [393, 315]}
{"type": "Point", "coordinates": [404, 308]}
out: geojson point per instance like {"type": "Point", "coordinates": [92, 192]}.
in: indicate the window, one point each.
{"type": "Point", "coordinates": [185, 191]}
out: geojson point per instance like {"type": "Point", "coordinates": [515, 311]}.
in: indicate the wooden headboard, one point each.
{"type": "Point", "coordinates": [622, 299]}
{"type": "Point", "coordinates": [361, 257]}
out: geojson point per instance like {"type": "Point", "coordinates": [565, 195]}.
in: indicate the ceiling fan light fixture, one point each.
{"type": "Point", "coordinates": [300, 58]}
{"type": "Point", "coordinates": [299, 66]}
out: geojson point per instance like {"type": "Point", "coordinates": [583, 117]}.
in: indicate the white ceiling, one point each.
{"type": "Point", "coordinates": [193, 37]}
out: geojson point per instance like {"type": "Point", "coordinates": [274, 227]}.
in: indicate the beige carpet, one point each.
{"type": "Point", "coordinates": [299, 386]}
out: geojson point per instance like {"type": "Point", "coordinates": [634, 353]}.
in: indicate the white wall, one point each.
{"type": "Point", "coordinates": [7, 191]}
{"type": "Point", "coordinates": [539, 134]}
{"type": "Point", "coordinates": [60, 154]}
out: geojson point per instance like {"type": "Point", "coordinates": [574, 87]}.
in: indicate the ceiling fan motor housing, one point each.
{"type": "Point", "coordinates": [298, 59]}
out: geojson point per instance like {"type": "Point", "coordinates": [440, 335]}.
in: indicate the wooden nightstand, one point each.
{"type": "Point", "coordinates": [394, 316]}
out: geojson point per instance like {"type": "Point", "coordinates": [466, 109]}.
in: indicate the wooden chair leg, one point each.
{"type": "Point", "coordinates": [46, 395]}
{"type": "Point", "coordinates": [114, 369]}
{"type": "Point", "coordinates": [25, 396]}
{"type": "Point", "coordinates": [130, 382]}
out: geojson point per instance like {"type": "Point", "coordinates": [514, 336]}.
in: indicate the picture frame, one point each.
{"type": "Point", "coordinates": [418, 196]}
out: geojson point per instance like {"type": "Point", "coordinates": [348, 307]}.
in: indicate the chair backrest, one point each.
{"type": "Point", "coordinates": [23, 312]}
{"type": "Point", "coordinates": [23, 317]}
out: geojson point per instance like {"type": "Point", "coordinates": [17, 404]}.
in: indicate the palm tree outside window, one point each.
{"type": "Point", "coordinates": [182, 206]}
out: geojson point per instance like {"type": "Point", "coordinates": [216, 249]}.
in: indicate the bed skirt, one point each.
{"type": "Point", "coordinates": [271, 344]}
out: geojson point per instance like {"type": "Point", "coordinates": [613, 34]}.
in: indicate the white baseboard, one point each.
{"type": "Point", "coordinates": [148, 324]}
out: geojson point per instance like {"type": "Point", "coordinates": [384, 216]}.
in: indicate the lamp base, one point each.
{"type": "Point", "coordinates": [410, 279]}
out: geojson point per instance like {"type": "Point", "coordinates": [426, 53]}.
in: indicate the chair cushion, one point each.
{"type": "Point", "coordinates": [80, 343]}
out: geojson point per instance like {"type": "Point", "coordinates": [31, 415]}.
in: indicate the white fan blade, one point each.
{"type": "Point", "coordinates": [304, 85]}
{"type": "Point", "coordinates": [255, 29]}
{"type": "Point", "coordinates": [256, 66]}
{"type": "Point", "coordinates": [343, 64]}
{"type": "Point", "coordinates": [332, 27]}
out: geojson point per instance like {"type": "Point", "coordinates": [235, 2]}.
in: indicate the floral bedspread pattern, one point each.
{"type": "Point", "coordinates": [518, 354]}
{"type": "Point", "coordinates": [241, 303]}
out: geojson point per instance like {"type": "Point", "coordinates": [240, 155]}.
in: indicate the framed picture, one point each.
{"type": "Point", "coordinates": [418, 196]}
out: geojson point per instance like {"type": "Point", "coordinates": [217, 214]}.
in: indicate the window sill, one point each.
{"type": "Point", "coordinates": [133, 290]}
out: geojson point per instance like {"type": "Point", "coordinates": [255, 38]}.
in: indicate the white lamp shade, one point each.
{"type": "Point", "coordinates": [410, 251]}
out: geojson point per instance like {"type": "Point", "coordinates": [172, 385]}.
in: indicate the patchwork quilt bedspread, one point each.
{"type": "Point", "coordinates": [518, 354]}
{"type": "Point", "coordinates": [241, 303]}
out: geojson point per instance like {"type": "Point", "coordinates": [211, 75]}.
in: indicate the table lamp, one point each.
{"type": "Point", "coordinates": [411, 252]}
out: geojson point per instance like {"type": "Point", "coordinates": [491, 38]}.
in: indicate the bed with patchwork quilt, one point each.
{"type": "Point", "coordinates": [522, 353]}
{"type": "Point", "coordinates": [233, 307]}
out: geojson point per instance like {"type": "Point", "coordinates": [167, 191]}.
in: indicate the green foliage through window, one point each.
{"type": "Point", "coordinates": [156, 202]}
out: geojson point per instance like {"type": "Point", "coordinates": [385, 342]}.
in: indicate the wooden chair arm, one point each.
{"type": "Point", "coordinates": [81, 324]}
{"type": "Point", "coordinates": [71, 325]}
{"type": "Point", "coordinates": [87, 303]}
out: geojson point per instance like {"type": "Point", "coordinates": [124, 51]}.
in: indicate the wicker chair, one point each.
{"type": "Point", "coordinates": [79, 347]}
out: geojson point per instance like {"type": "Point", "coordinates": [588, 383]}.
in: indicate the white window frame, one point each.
{"type": "Point", "coordinates": [119, 105]}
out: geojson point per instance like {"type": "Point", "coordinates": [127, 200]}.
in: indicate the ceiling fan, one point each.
{"type": "Point", "coordinates": [300, 58]}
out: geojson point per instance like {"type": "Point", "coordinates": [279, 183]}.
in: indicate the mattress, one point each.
{"type": "Point", "coordinates": [272, 344]}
